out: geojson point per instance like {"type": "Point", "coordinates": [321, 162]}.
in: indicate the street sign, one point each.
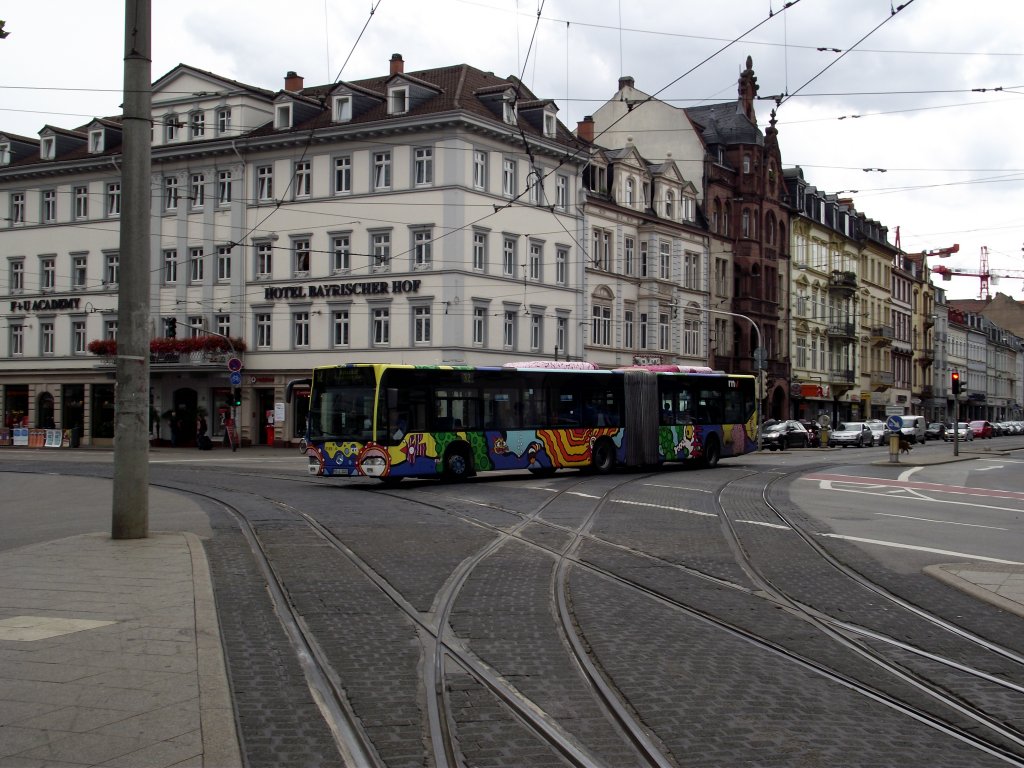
{"type": "Point", "coordinates": [236, 379]}
{"type": "Point", "coordinates": [234, 364]}
{"type": "Point", "coordinates": [894, 423]}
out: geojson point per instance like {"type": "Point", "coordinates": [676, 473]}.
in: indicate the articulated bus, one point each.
{"type": "Point", "coordinates": [450, 421]}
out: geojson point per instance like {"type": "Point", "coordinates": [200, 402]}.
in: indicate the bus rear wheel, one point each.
{"type": "Point", "coordinates": [602, 457]}
{"type": "Point", "coordinates": [712, 452]}
{"type": "Point", "coordinates": [457, 464]}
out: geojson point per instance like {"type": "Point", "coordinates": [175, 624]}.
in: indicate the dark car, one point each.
{"type": "Point", "coordinates": [781, 435]}
{"type": "Point", "coordinates": [813, 432]}
{"type": "Point", "coordinates": [935, 431]}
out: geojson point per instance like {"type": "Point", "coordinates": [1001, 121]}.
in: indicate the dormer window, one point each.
{"type": "Point", "coordinates": [283, 117]}
{"type": "Point", "coordinates": [48, 148]}
{"type": "Point", "coordinates": [5, 154]}
{"type": "Point", "coordinates": [95, 142]}
{"type": "Point", "coordinates": [629, 192]}
{"type": "Point", "coordinates": [670, 205]}
{"type": "Point", "coordinates": [170, 128]}
{"type": "Point", "coordinates": [509, 111]}
{"type": "Point", "coordinates": [398, 101]}
{"type": "Point", "coordinates": [689, 206]}
{"type": "Point", "coordinates": [550, 125]}
{"type": "Point", "coordinates": [342, 109]}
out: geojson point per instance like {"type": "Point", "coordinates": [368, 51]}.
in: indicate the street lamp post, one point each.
{"type": "Point", "coordinates": [758, 363]}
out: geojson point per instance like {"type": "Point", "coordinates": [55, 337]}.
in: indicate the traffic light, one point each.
{"type": "Point", "coordinates": [172, 327]}
{"type": "Point", "coordinates": [955, 382]}
{"type": "Point", "coordinates": [236, 396]}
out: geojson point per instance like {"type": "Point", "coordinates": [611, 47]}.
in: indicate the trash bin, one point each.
{"type": "Point", "coordinates": [824, 437]}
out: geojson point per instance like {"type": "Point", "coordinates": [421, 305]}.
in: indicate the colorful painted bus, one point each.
{"type": "Point", "coordinates": [450, 421]}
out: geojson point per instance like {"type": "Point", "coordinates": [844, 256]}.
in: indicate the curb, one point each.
{"type": "Point", "coordinates": [945, 575]}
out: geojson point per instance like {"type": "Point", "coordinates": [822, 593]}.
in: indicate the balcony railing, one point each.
{"type": "Point", "coordinates": [842, 330]}
{"type": "Point", "coordinates": [842, 282]}
{"type": "Point", "coordinates": [841, 376]}
{"type": "Point", "coordinates": [881, 380]}
{"type": "Point", "coordinates": [882, 335]}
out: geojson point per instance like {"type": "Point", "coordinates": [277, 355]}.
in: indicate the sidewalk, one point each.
{"type": "Point", "coordinates": [110, 653]}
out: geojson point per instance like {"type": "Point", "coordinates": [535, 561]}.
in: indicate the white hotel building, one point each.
{"type": "Point", "coordinates": [432, 217]}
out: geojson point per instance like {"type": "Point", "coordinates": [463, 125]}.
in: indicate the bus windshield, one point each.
{"type": "Point", "coordinates": [342, 404]}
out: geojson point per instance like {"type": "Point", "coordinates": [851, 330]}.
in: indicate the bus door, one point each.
{"type": "Point", "coordinates": [642, 409]}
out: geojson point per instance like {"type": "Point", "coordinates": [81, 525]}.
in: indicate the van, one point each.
{"type": "Point", "coordinates": [914, 428]}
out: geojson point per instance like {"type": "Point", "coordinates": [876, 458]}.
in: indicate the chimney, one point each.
{"type": "Point", "coordinates": [585, 128]}
{"type": "Point", "coordinates": [625, 82]}
{"type": "Point", "coordinates": [293, 82]}
{"type": "Point", "coordinates": [397, 64]}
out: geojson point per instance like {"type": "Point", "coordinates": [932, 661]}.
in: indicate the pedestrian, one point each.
{"type": "Point", "coordinates": [201, 429]}
{"type": "Point", "coordinates": [175, 424]}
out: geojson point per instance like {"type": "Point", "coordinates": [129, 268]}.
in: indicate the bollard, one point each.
{"type": "Point", "coordinates": [894, 448]}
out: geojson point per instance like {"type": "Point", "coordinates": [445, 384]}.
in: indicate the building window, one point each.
{"type": "Point", "coordinates": [113, 268]}
{"type": "Point", "coordinates": [17, 339]}
{"type": "Point", "coordinates": [421, 325]}
{"type": "Point", "coordinates": [746, 163]}
{"type": "Point", "coordinates": [627, 329]}
{"type": "Point", "coordinates": [17, 283]}
{"type": "Point", "coordinates": [171, 128]}
{"type": "Point", "coordinates": [78, 337]}
{"type": "Point", "coordinates": [535, 188]}
{"type": "Point", "coordinates": [691, 270]}
{"type": "Point", "coordinates": [196, 270]}
{"type": "Point", "coordinates": [422, 248]}
{"type": "Point", "coordinates": [561, 192]}
{"type": "Point", "coordinates": [223, 120]}
{"type": "Point", "coordinates": [561, 334]}
{"type": "Point", "coordinates": [536, 332]}
{"type": "Point", "coordinates": [479, 326]}
{"type": "Point", "coordinates": [197, 125]}
{"type": "Point", "coordinates": [534, 261]}
{"type": "Point", "coordinates": [381, 318]}
{"type": "Point", "coordinates": [300, 257]}
{"type": "Point", "coordinates": [380, 252]}
{"type": "Point", "coordinates": [508, 338]}
{"type": "Point", "coordinates": [263, 327]}
{"type": "Point", "coordinates": [689, 207]}
{"type": "Point", "coordinates": [341, 328]}
{"type": "Point", "coordinates": [342, 175]}
{"type": "Point", "coordinates": [265, 182]}
{"type": "Point", "coordinates": [48, 148]}
{"type": "Point", "coordinates": [601, 330]}
{"type": "Point", "coordinates": [18, 208]}
{"type": "Point", "coordinates": [691, 337]}
{"type": "Point", "coordinates": [283, 117]}
{"type": "Point", "coordinates": [95, 142]}
{"type": "Point", "coordinates": [398, 101]}
{"type": "Point", "coordinates": [195, 326]}
{"type": "Point", "coordinates": [300, 322]}
{"type": "Point", "coordinates": [170, 267]}
{"type": "Point", "coordinates": [424, 166]}
{"type": "Point", "coordinates": [561, 264]}
{"type": "Point", "coordinates": [5, 154]}
{"type": "Point", "coordinates": [223, 187]}
{"type": "Point", "coordinates": [49, 206]}
{"type": "Point", "coordinates": [508, 177]}
{"type": "Point", "coordinates": [381, 170]}
{"type": "Point", "coordinates": [341, 249]}
{"type": "Point", "coordinates": [629, 192]}
{"type": "Point", "coordinates": [81, 197]}
{"type": "Point", "coordinates": [509, 111]}
{"type": "Point", "coordinates": [665, 261]}
{"type": "Point", "coordinates": [342, 109]}
{"type": "Point", "coordinates": [197, 190]}
{"type": "Point", "coordinates": [47, 336]}
{"type": "Point", "coordinates": [480, 169]}
{"type": "Point", "coordinates": [224, 262]}
{"type": "Point", "coordinates": [602, 254]}
{"type": "Point", "coordinates": [550, 125]}
{"type": "Point", "coordinates": [508, 257]}
{"type": "Point", "coordinates": [79, 271]}
{"type": "Point", "coordinates": [303, 179]}
{"type": "Point", "coordinates": [643, 330]}
{"type": "Point", "coordinates": [745, 223]}
{"type": "Point", "coordinates": [170, 193]}
{"type": "Point", "coordinates": [223, 324]}
{"type": "Point", "coordinates": [670, 205]}
{"type": "Point", "coordinates": [628, 248]}
{"type": "Point", "coordinates": [48, 270]}
{"type": "Point", "coordinates": [664, 342]}
{"type": "Point", "coordinates": [480, 251]}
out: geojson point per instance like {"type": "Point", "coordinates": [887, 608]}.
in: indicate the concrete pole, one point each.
{"type": "Point", "coordinates": [130, 519]}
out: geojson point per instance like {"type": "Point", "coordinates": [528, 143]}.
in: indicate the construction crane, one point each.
{"type": "Point", "coordinates": [983, 273]}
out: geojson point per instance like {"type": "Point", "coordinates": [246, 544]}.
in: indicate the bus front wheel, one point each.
{"type": "Point", "coordinates": [457, 465]}
{"type": "Point", "coordinates": [602, 459]}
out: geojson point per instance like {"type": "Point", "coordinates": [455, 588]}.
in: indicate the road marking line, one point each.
{"type": "Point", "coordinates": [662, 506]}
{"type": "Point", "coordinates": [766, 525]}
{"type": "Point", "coordinates": [944, 522]}
{"type": "Point", "coordinates": [986, 469]}
{"type": "Point", "coordinates": [677, 487]}
{"type": "Point", "coordinates": [931, 500]}
{"type": "Point", "coordinates": [905, 476]}
{"type": "Point", "coordinates": [580, 493]}
{"type": "Point", "coordinates": [921, 549]}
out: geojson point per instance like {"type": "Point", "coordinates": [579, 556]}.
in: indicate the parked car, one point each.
{"type": "Point", "coordinates": [935, 431]}
{"type": "Point", "coordinates": [963, 432]}
{"type": "Point", "coordinates": [784, 434]}
{"type": "Point", "coordinates": [982, 429]}
{"type": "Point", "coordinates": [856, 433]}
{"type": "Point", "coordinates": [813, 433]}
{"type": "Point", "coordinates": [877, 429]}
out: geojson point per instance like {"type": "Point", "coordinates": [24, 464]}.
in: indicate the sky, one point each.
{"type": "Point", "coordinates": [914, 113]}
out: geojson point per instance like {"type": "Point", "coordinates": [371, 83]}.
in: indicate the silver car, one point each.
{"type": "Point", "coordinates": [855, 433]}
{"type": "Point", "coordinates": [963, 431]}
{"type": "Point", "coordinates": [877, 427]}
